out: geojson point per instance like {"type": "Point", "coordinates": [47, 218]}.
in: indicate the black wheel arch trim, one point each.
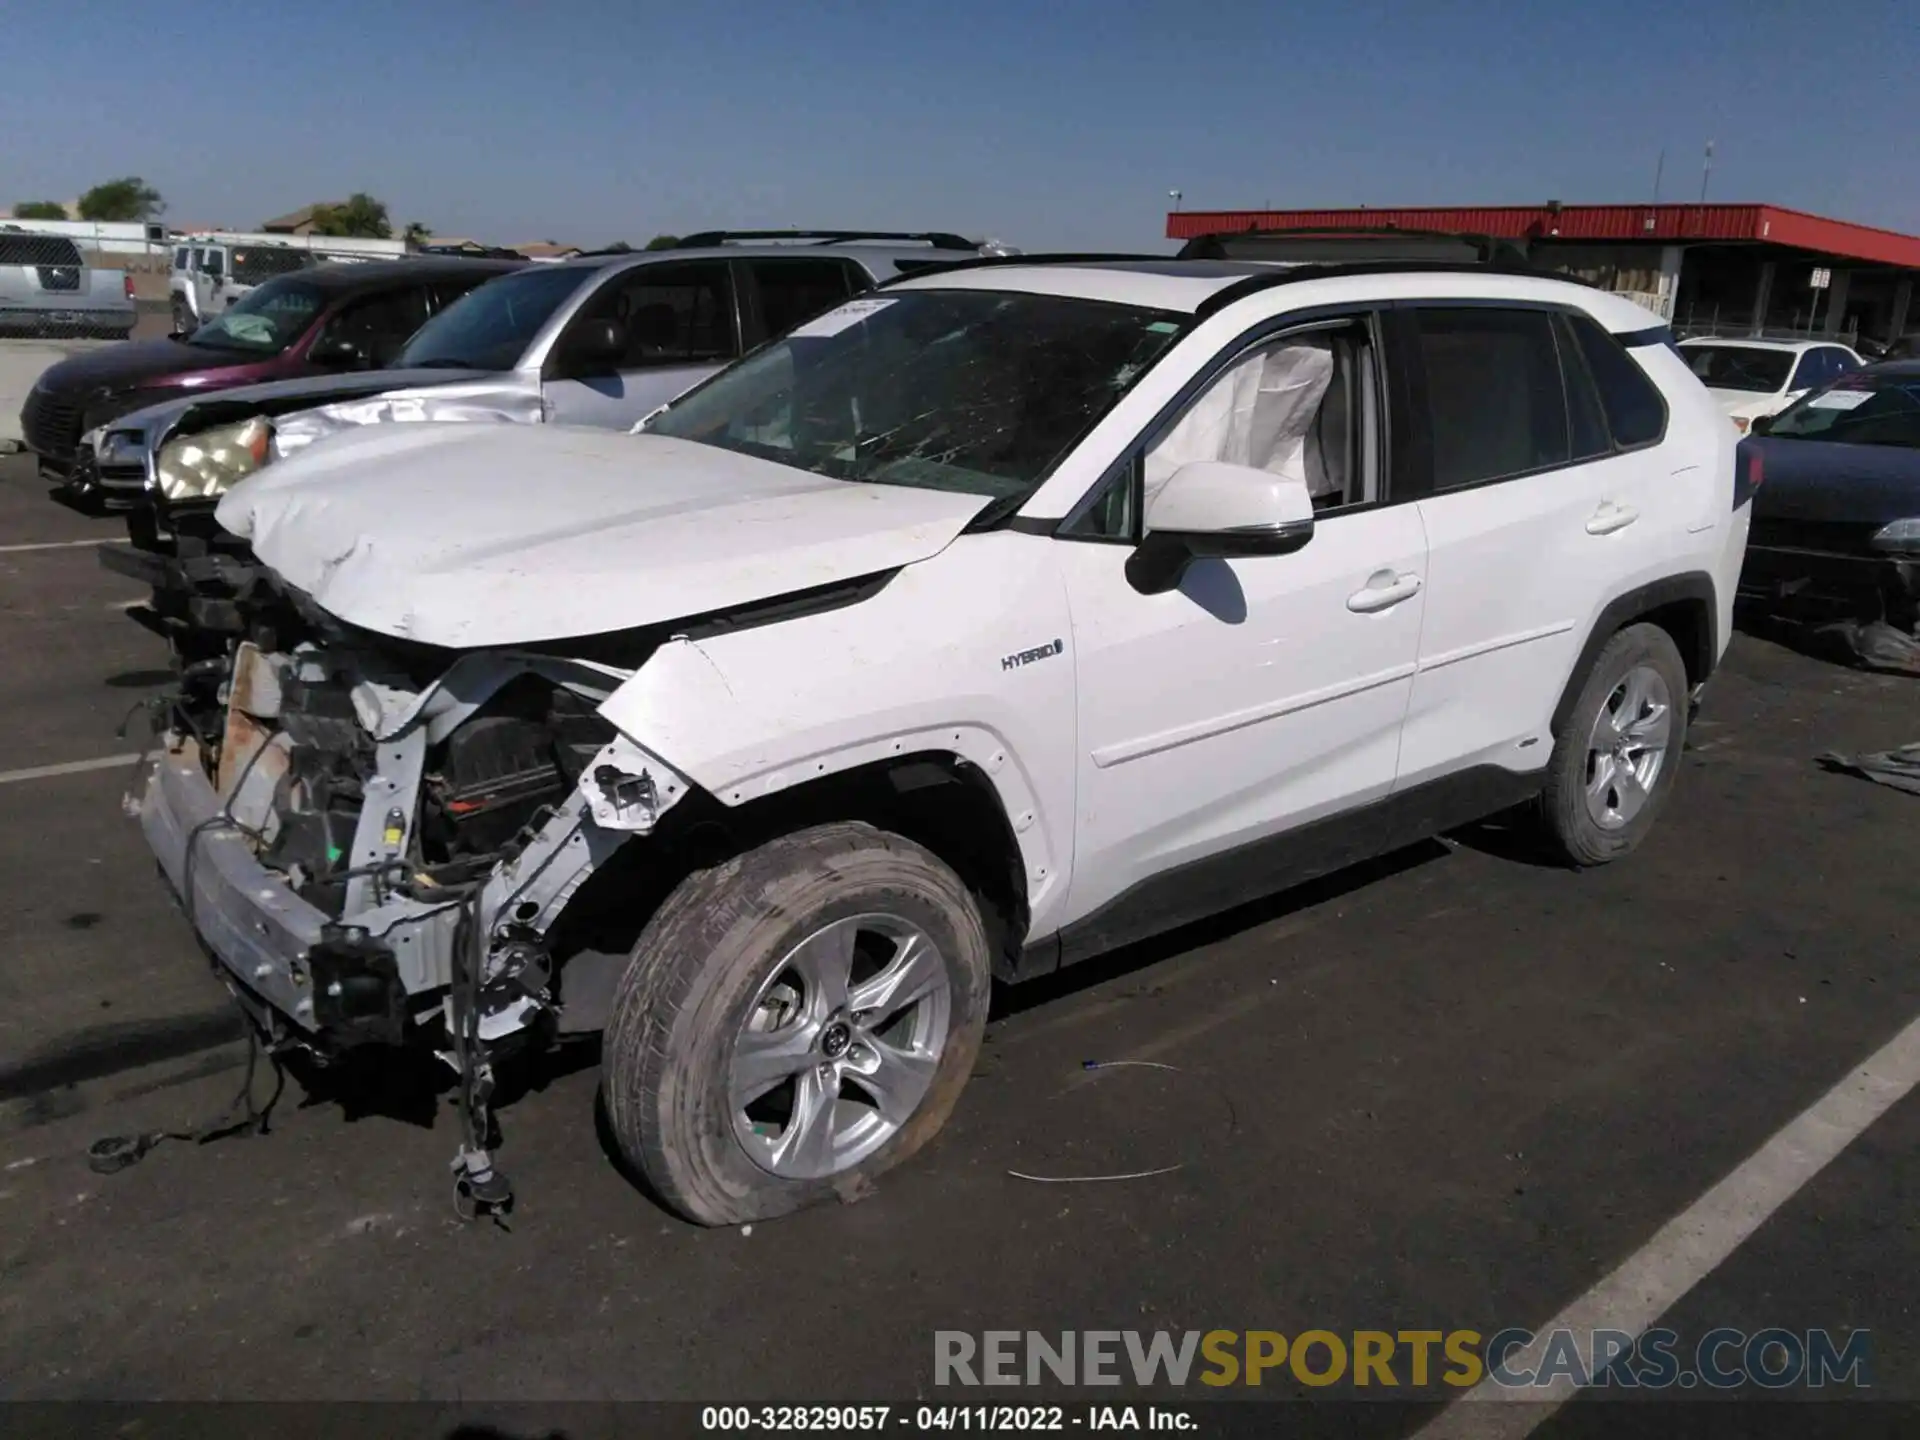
{"type": "Point", "coordinates": [1693, 586]}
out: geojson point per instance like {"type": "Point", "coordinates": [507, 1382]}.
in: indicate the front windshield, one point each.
{"type": "Point", "coordinates": [489, 328]}
{"type": "Point", "coordinates": [263, 321]}
{"type": "Point", "coordinates": [1739, 367]}
{"type": "Point", "coordinates": [1858, 410]}
{"type": "Point", "coordinates": [972, 390]}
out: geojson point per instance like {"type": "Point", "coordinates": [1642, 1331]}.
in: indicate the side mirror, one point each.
{"type": "Point", "coordinates": [597, 347]}
{"type": "Point", "coordinates": [1761, 425]}
{"type": "Point", "coordinates": [1214, 510]}
{"type": "Point", "coordinates": [336, 352]}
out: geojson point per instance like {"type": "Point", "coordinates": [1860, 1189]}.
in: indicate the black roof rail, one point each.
{"type": "Point", "coordinates": [1213, 246]}
{"type": "Point", "coordinates": [1295, 274]}
{"type": "Point", "coordinates": [939, 239]}
{"type": "Point", "coordinates": [922, 267]}
{"type": "Point", "coordinates": [470, 252]}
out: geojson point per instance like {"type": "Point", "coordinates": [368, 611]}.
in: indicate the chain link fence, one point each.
{"type": "Point", "coordinates": [51, 289]}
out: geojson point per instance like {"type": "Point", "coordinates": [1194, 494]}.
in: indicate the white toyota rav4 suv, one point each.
{"type": "Point", "coordinates": [1007, 614]}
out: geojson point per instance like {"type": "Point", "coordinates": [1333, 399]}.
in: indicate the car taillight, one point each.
{"type": "Point", "coordinates": [126, 282]}
{"type": "Point", "coordinates": [1748, 472]}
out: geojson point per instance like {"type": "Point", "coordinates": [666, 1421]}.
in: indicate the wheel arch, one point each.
{"type": "Point", "coordinates": [1686, 606]}
{"type": "Point", "coordinates": [938, 798]}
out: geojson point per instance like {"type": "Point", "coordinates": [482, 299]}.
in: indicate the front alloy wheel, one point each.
{"type": "Point", "coordinates": [794, 1022]}
{"type": "Point", "coordinates": [840, 1046]}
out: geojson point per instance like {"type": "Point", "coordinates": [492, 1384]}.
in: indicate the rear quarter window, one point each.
{"type": "Point", "coordinates": [1636, 411]}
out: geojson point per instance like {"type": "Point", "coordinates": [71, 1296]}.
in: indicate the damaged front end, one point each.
{"type": "Point", "coordinates": [376, 841]}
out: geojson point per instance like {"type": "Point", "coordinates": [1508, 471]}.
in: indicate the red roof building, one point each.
{"type": "Point", "coordinates": [1708, 268]}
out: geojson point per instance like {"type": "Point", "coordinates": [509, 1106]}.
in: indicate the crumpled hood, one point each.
{"type": "Point", "coordinates": [477, 535]}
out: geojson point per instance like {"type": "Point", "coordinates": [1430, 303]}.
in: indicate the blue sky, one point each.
{"type": "Point", "coordinates": [1052, 124]}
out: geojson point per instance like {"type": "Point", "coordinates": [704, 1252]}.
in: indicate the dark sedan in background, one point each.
{"type": "Point", "coordinates": [1836, 516]}
{"type": "Point", "coordinates": [326, 319]}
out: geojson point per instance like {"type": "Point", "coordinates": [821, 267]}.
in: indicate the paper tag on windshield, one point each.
{"type": "Point", "coordinates": [1839, 400]}
{"type": "Point", "coordinates": [834, 321]}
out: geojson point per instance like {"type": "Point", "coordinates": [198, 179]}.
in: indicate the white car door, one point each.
{"type": "Point", "coordinates": [1261, 693]}
{"type": "Point", "coordinates": [679, 322]}
{"type": "Point", "coordinates": [1537, 515]}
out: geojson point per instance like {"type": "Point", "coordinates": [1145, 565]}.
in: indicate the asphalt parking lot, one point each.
{"type": "Point", "coordinates": [1453, 1090]}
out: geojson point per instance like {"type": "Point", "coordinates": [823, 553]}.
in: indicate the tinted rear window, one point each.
{"type": "Point", "coordinates": [1636, 413]}
{"type": "Point", "coordinates": [38, 250]}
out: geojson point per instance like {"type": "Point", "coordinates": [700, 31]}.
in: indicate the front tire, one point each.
{"type": "Point", "coordinates": [1618, 756]}
{"type": "Point", "coordinates": [794, 1022]}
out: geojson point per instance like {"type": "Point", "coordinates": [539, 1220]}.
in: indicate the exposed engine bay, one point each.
{"type": "Point", "coordinates": [384, 836]}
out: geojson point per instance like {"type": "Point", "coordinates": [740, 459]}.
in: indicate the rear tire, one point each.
{"type": "Point", "coordinates": [1617, 758]}
{"type": "Point", "coordinates": [183, 322]}
{"type": "Point", "coordinates": [732, 983]}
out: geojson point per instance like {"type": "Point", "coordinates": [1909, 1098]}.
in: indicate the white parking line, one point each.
{"type": "Point", "coordinates": [69, 767]}
{"type": "Point", "coordinates": [48, 545]}
{"type": "Point", "coordinates": [1693, 1244]}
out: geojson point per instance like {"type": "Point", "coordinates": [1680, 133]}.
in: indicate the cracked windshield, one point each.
{"type": "Point", "coordinates": [963, 390]}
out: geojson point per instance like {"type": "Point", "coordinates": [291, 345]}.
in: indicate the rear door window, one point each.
{"type": "Point", "coordinates": [792, 292]}
{"type": "Point", "coordinates": [1496, 405]}
{"type": "Point", "coordinates": [1586, 417]}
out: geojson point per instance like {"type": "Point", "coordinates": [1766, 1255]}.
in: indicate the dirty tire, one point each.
{"type": "Point", "coordinates": [1571, 829]}
{"type": "Point", "coordinates": [696, 971]}
{"type": "Point", "coordinates": [182, 320]}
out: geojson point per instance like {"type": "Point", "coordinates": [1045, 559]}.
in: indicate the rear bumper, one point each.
{"type": "Point", "coordinates": [76, 319]}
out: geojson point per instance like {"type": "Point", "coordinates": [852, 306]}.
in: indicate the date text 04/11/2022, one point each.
{"type": "Point", "coordinates": [923, 1419]}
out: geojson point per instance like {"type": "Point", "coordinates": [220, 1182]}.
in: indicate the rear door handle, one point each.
{"type": "Point", "coordinates": [1384, 590]}
{"type": "Point", "coordinates": [1611, 517]}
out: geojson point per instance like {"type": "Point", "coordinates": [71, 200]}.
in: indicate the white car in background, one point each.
{"type": "Point", "coordinates": [1751, 378]}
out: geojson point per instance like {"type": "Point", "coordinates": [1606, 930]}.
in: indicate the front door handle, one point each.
{"type": "Point", "coordinates": [1611, 517]}
{"type": "Point", "coordinates": [1384, 590]}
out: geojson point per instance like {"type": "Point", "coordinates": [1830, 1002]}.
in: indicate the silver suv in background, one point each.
{"type": "Point", "coordinates": [48, 289]}
{"type": "Point", "coordinates": [602, 340]}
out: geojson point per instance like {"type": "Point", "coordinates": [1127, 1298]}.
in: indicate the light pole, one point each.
{"type": "Point", "coordinates": [1174, 195]}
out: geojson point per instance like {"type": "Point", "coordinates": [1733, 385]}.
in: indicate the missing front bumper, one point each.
{"type": "Point", "coordinates": [281, 949]}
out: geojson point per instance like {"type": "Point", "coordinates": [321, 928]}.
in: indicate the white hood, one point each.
{"type": "Point", "coordinates": [477, 535]}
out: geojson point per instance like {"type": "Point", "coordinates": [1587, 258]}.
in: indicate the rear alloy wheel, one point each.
{"type": "Point", "coordinates": [1618, 755]}
{"type": "Point", "coordinates": [794, 1021]}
